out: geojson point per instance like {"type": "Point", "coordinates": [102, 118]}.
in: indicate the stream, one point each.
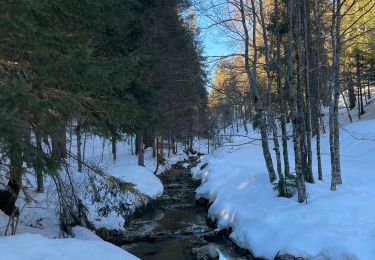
{"type": "Point", "coordinates": [176, 227]}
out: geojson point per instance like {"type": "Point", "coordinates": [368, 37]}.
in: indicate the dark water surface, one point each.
{"type": "Point", "coordinates": [177, 226]}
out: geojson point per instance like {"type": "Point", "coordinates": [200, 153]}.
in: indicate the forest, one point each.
{"type": "Point", "coordinates": [299, 57]}
{"type": "Point", "coordinates": [113, 110]}
{"type": "Point", "coordinates": [94, 68]}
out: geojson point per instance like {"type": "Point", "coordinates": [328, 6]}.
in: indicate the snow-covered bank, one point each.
{"type": "Point", "coordinates": [125, 168]}
{"type": "Point", "coordinates": [332, 225]}
{"type": "Point", "coordinates": [38, 210]}
{"type": "Point", "coordinates": [37, 247]}
{"type": "Point", "coordinates": [38, 224]}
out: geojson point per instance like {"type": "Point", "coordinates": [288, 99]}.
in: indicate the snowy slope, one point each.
{"type": "Point", "coordinates": [332, 225]}
{"type": "Point", "coordinates": [369, 109]}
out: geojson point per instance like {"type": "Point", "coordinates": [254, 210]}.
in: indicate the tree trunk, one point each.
{"type": "Point", "coordinates": [368, 89]}
{"type": "Point", "coordinates": [351, 94]}
{"type": "Point", "coordinates": [317, 102]}
{"type": "Point", "coordinates": [320, 172]}
{"type": "Point", "coordinates": [84, 147]}
{"type": "Point", "coordinates": [160, 154]}
{"type": "Point", "coordinates": [273, 118]}
{"type": "Point", "coordinates": [281, 182]}
{"type": "Point", "coordinates": [359, 86]}
{"type": "Point", "coordinates": [244, 115]}
{"type": "Point", "coordinates": [301, 154]}
{"type": "Point", "coordinates": [361, 98]}
{"type": "Point", "coordinates": [15, 179]}
{"type": "Point", "coordinates": [334, 123]}
{"type": "Point", "coordinates": [252, 80]}
{"type": "Point", "coordinates": [141, 156]}
{"type": "Point", "coordinates": [79, 144]}
{"type": "Point", "coordinates": [310, 177]}
{"type": "Point", "coordinates": [300, 98]}
{"type": "Point", "coordinates": [63, 145]}
{"type": "Point", "coordinates": [346, 107]}
{"type": "Point", "coordinates": [131, 144]}
{"type": "Point", "coordinates": [37, 169]}
{"type": "Point", "coordinates": [169, 142]}
{"type": "Point", "coordinates": [281, 97]}
{"type": "Point", "coordinates": [59, 149]}
{"type": "Point", "coordinates": [114, 148]}
{"type": "Point", "coordinates": [136, 144]}
{"type": "Point", "coordinates": [154, 147]}
{"type": "Point", "coordinates": [301, 189]}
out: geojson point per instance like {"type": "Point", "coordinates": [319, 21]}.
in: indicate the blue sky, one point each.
{"type": "Point", "coordinates": [214, 41]}
{"type": "Point", "coordinates": [212, 46]}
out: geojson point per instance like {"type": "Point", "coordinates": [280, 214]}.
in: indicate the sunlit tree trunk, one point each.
{"type": "Point", "coordinates": [334, 123]}
{"type": "Point", "coordinates": [252, 80]}
{"type": "Point", "coordinates": [272, 119]}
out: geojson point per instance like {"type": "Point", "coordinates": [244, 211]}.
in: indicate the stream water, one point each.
{"type": "Point", "coordinates": [177, 226]}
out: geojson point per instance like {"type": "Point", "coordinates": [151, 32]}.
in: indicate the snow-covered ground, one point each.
{"type": "Point", "coordinates": [38, 225]}
{"type": "Point", "coordinates": [331, 225]}
{"type": "Point", "coordinates": [369, 108]}
{"type": "Point", "coordinates": [86, 246]}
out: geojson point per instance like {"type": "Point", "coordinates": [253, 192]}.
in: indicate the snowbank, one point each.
{"type": "Point", "coordinates": [127, 169]}
{"type": "Point", "coordinates": [38, 247]}
{"type": "Point", "coordinates": [332, 225]}
{"type": "Point", "coordinates": [38, 215]}
{"type": "Point", "coordinates": [39, 225]}
{"type": "Point", "coordinates": [126, 165]}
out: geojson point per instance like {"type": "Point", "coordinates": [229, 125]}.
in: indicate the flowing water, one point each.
{"type": "Point", "coordinates": [177, 225]}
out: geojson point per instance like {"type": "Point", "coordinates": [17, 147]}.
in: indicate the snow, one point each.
{"type": "Point", "coordinates": [85, 234]}
{"type": "Point", "coordinates": [127, 169]}
{"type": "Point", "coordinates": [37, 247]}
{"type": "Point", "coordinates": [38, 225]}
{"type": "Point", "coordinates": [144, 180]}
{"type": "Point", "coordinates": [39, 215]}
{"type": "Point", "coordinates": [332, 225]}
{"type": "Point", "coordinates": [185, 165]}
{"type": "Point", "coordinates": [369, 107]}
{"type": "Point", "coordinates": [126, 166]}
